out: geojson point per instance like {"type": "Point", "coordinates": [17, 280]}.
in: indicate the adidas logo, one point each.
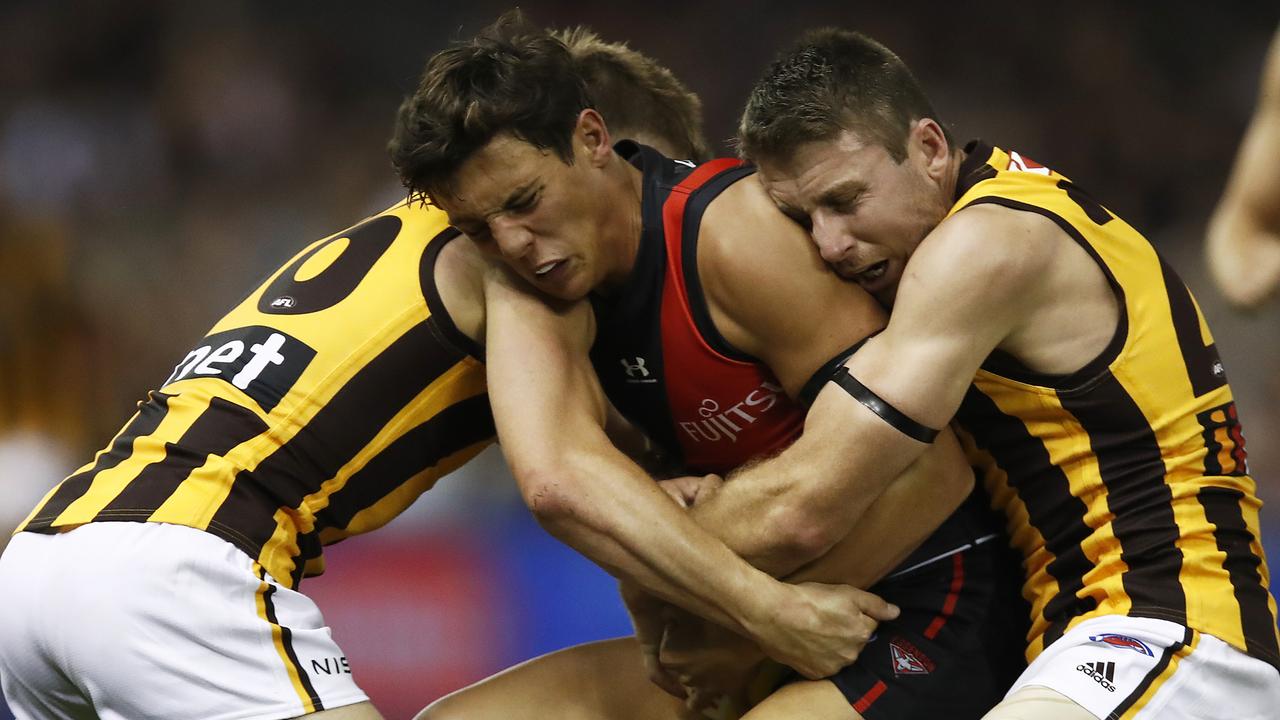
{"type": "Point", "coordinates": [1103, 673]}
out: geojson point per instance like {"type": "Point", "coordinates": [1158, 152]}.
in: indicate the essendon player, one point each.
{"type": "Point", "coordinates": [710, 312]}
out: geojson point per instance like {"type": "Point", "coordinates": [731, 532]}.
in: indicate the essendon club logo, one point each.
{"type": "Point", "coordinates": [908, 659]}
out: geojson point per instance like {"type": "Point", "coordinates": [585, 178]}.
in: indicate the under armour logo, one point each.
{"type": "Point", "coordinates": [632, 369]}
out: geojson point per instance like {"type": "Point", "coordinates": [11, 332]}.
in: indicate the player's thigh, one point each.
{"type": "Point", "coordinates": [810, 699]}
{"type": "Point", "coordinates": [598, 681]}
{"type": "Point", "coordinates": [358, 711]}
{"type": "Point", "coordinates": [1038, 703]}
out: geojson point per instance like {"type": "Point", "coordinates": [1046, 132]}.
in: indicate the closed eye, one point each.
{"type": "Point", "coordinates": [799, 218]}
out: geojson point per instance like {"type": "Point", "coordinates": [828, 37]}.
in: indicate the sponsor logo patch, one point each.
{"type": "Point", "coordinates": [725, 423]}
{"type": "Point", "coordinates": [261, 361]}
{"type": "Point", "coordinates": [636, 371]}
{"type": "Point", "coordinates": [1122, 641]}
{"type": "Point", "coordinates": [1103, 673]}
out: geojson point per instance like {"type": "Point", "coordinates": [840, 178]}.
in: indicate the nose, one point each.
{"type": "Point", "coordinates": [833, 241]}
{"type": "Point", "coordinates": [513, 238]}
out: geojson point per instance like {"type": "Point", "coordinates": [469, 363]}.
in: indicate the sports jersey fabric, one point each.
{"type": "Point", "coordinates": [1125, 484]}
{"type": "Point", "coordinates": [320, 407]}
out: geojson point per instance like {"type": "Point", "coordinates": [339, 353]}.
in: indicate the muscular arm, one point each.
{"type": "Point", "coordinates": [550, 415]}
{"type": "Point", "coordinates": [945, 323]}
{"type": "Point", "coordinates": [1243, 242]}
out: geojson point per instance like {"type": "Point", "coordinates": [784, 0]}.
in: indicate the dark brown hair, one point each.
{"type": "Point", "coordinates": [511, 78]}
{"type": "Point", "coordinates": [830, 81]}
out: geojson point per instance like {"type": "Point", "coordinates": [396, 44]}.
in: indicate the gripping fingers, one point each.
{"type": "Point", "coordinates": [875, 606]}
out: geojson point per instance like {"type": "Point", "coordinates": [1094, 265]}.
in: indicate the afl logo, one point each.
{"type": "Point", "coordinates": [1123, 641]}
{"type": "Point", "coordinates": [284, 301]}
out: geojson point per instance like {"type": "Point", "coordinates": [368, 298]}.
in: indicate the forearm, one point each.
{"type": "Point", "coordinates": [606, 508]}
{"type": "Point", "coordinates": [789, 510]}
{"type": "Point", "coordinates": [1243, 242]}
{"type": "Point", "coordinates": [927, 493]}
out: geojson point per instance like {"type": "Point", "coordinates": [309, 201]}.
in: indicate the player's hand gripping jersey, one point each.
{"type": "Point", "coordinates": [320, 407]}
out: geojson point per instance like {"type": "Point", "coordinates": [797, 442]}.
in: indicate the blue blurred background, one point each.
{"type": "Point", "coordinates": [157, 159]}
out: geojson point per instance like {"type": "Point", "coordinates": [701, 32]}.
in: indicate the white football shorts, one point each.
{"type": "Point", "coordinates": [1123, 668]}
{"type": "Point", "coordinates": [135, 620]}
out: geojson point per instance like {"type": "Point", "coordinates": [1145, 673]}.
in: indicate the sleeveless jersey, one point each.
{"type": "Point", "coordinates": [320, 407]}
{"type": "Point", "coordinates": [1124, 484]}
{"type": "Point", "coordinates": [658, 355]}
{"type": "Point", "coordinates": [667, 369]}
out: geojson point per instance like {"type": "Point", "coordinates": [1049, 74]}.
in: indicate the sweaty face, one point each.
{"type": "Point", "coordinates": [533, 211]}
{"type": "Point", "coordinates": [865, 212]}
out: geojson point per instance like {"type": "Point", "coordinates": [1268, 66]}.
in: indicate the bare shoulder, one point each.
{"type": "Point", "coordinates": [459, 279]}
{"type": "Point", "coordinates": [768, 291]}
{"type": "Point", "coordinates": [990, 246]}
{"type": "Point", "coordinates": [744, 237]}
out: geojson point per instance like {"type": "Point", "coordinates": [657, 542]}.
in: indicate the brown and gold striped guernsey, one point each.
{"type": "Point", "coordinates": [1124, 484]}
{"type": "Point", "coordinates": [321, 407]}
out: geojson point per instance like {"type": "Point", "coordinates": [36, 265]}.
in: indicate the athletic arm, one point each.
{"type": "Point", "coordinates": [943, 325]}
{"type": "Point", "coordinates": [550, 415]}
{"type": "Point", "coordinates": [771, 296]}
{"type": "Point", "coordinates": [1243, 241]}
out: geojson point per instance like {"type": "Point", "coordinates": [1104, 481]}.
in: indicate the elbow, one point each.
{"type": "Point", "coordinates": [548, 493]}
{"type": "Point", "coordinates": [801, 534]}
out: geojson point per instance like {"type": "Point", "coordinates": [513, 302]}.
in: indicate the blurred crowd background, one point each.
{"type": "Point", "coordinates": [157, 159]}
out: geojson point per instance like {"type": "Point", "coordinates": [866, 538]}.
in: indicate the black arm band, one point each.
{"type": "Point", "coordinates": [887, 412]}
{"type": "Point", "coordinates": [823, 375]}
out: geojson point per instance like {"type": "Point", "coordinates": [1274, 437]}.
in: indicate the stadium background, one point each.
{"type": "Point", "coordinates": [157, 159]}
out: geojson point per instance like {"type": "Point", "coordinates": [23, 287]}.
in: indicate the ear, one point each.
{"type": "Point", "coordinates": [591, 138]}
{"type": "Point", "coordinates": [928, 138]}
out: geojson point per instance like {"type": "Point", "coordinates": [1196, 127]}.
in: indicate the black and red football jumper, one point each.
{"type": "Point", "coordinates": [958, 644]}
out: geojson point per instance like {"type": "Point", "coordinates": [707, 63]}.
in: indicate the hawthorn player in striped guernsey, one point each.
{"type": "Point", "coordinates": [1079, 365]}
{"type": "Point", "coordinates": [160, 580]}
{"type": "Point", "coordinates": [709, 313]}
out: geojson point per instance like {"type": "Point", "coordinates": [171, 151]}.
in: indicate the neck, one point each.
{"type": "Point", "coordinates": [625, 223]}
{"type": "Point", "coordinates": [952, 176]}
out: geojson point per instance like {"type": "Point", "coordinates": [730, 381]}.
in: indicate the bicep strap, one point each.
{"type": "Point", "coordinates": [877, 405]}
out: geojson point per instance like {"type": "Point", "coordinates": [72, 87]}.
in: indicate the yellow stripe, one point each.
{"type": "Point", "coordinates": [1159, 682]}
{"type": "Point", "coordinates": [145, 450]}
{"type": "Point", "coordinates": [277, 638]}
{"type": "Point", "coordinates": [280, 551]}
{"type": "Point", "coordinates": [462, 381]}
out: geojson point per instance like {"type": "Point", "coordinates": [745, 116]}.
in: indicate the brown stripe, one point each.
{"type": "Point", "coordinates": [286, 640]}
{"type": "Point", "coordinates": [1046, 492]}
{"type": "Point", "coordinates": [150, 413]}
{"type": "Point", "coordinates": [1204, 366]}
{"type": "Point", "coordinates": [339, 430]}
{"type": "Point", "coordinates": [1132, 469]}
{"type": "Point", "coordinates": [458, 426]}
{"type": "Point", "coordinates": [1223, 508]}
{"type": "Point", "coordinates": [221, 427]}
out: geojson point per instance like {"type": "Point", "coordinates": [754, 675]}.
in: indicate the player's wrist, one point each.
{"type": "Point", "coordinates": [761, 607]}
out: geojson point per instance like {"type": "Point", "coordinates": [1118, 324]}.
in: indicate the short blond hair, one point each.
{"type": "Point", "coordinates": [638, 98]}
